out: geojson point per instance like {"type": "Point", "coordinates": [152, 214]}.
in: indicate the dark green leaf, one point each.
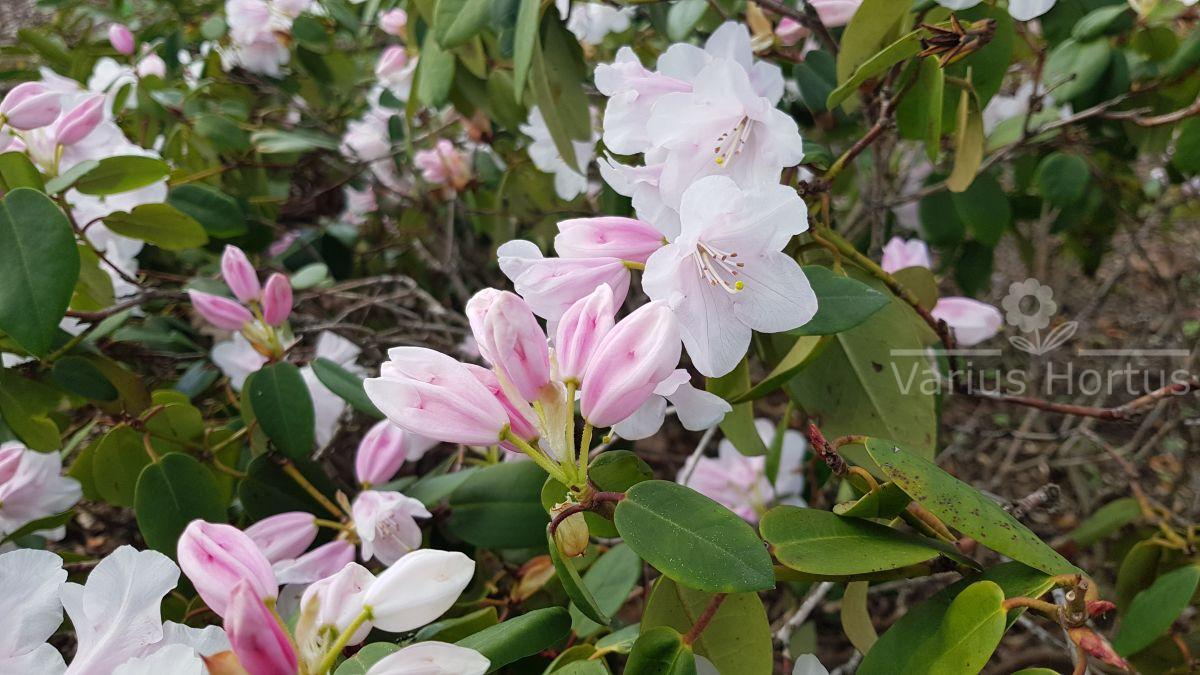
{"type": "Point", "coordinates": [456, 21]}
{"type": "Point", "coordinates": [660, 651]}
{"type": "Point", "coordinates": [610, 580]}
{"type": "Point", "coordinates": [1154, 610]}
{"type": "Point", "coordinates": [117, 464]}
{"type": "Point", "coordinates": [77, 375]}
{"type": "Point", "coordinates": [267, 490]}
{"type": "Point", "coordinates": [283, 408]}
{"type": "Point", "coordinates": [114, 175]}
{"type": "Point", "coordinates": [499, 507]}
{"type": "Point", "coordinates": [172, 493]}
{"type": "Point", "coordinates": [216, 211]}
{"type": "Point", "coordinates": [435, 72]}
{"type": "Point", "coordinates": [905, 47]}
{"type": "Point", "coordinates": [581, 596]}
{"type": "Point", "coordinates": [1187, 147]}
{"type": "Point", "coordinates": [347, 385]}
{"type": "Point", "coordinates": [366, 657]}
{"type": "Point", "coordinates": [1106, 520]}
{"type": "Point", "coordinates": [525, 42]}
{"type": "Point", "coordinates": [1062, 179]}
{"type": "Point", "coordinates": [458, 628]}
{"type": "Point", "coordinates": [1078, 66]}
{"type": "Point", "coordinates": [160, 224]}
{"type": "Point", "coordinates": [519, 637]}
{"type": "Point", "coordinates": [23, 414]}
{"type": "Point", "coordinates": [738, 638]}
{"type": "Point", "coordinates": [875, 22]}
{"type": "Point", "coordinates": [984, 207]}
{"type": "Point", "coordinates": [17, 171]}
{"type": "Point", "coordinates": [842, 302]}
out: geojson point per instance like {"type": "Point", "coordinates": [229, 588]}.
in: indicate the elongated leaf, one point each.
{"type": "Point", "coordinates": [856, 620]}
{"type": "Point", "coordinates": [172, 493]}
{"type": "Point", "coordinates": [868, 32]}
{"type": "Point", "coordinates": [519, 637]}
{"type": "Point", "coordinates": [283, 408]}
{"type": "Point", "coordinates": [78, 375]}
{"type": "Point", "coordinates": [216, 211]}
{"type": "Point", "coordinates": [278, 141]}
{"type": "Point", "coordinates": [1153, 610]}
{"type": "Point", "coordinates": [970, 631]}
{"type": "Point", "coordinates": [114, 175]}
{"type": "Point", "coordinates": [456, 21]}
{"type": "Point", "coordinates": [803, 350]}
{"type": "Point", "coordinates": [1078, 66]}
{"type": "Point", "coordinates": [39, 266]}
{"type": "Point", "coordinates": [17, 171]}
{"type": "Point", "coordinates": [1106, 520]}
{"type": "Point", "coordinates": [160, 224]}
{"type": "Point", "coordinates": [529, 17]}
{"type": "Point", "coordinates": [581, 596]}
{"type": "Point", "coordinates": [347, 385]}
{"type": "Point", "coordinates": [842, 302]}
{"type": "Point", "coordinates": [692, 539]}
{"type": "Point", "coordinates": [498, 507]}
{"type": "Point", "coordinates": [366, 657]}
{"type": "Point", "coordinates": [435, 72]}
{"type": "Point", "coordinates": [963, 507]}
{"type": "Point", "coordinates": [968, 143]}
{"type": "Point", "coordinates": [738, 638]}
{"type": "Point", "coordinates": [903, 48]}
{"type": "Point", "coordinates": [819, 542]}
{"type": "Point", "coordinates": [610, 580]}
{"type": "Point", "coordinates": [738, 424]}
{"type": "Point", "coordinates": [267, 489]}
{"type": "Point", "coordinates": [460, 627]}
{"type": "Point", "coordinates": [1137, 571]}
{"type": "Point", "coordinates": [660, 651]}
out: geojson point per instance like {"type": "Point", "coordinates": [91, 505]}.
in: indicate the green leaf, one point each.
{"type": "Point", "coordinates": [519, 637]}
{"type": "Point", "coordinates": [842, 302]}
{"type": "Point", "coordinates": [738, 425]}
{"type": "Point", "coordinates": [581, 596]}
{"type": "Point", "coordinates": [1078, 66]}
{"type": "Point", "coordinates": [970, 631]}
{"type": "Point", "coordinates": [366, 657]}
{"type": "Point", "coordinates": [984, 207]}
{"type": "Point", "coordinates": [859, 385]}
{"type": "Point", "coordinates": [693, 539]}
{"type": "Point", "coordinates": [117, 464]}
{"type": "Point", "coordinates": [1097, 22]}
{"type": "Point", "coordinates": [964, 508]}
{"type": "Point", "coordinates": [1186, 157]}
{"type": "Point", "coordinates": [224, 133]}
{"type": "Point", "coordinates": [94, 289]}
{"type": "Point", "coordinates": [347, 385]}
{"type": "Point", "coordinates": [816, 78]}
{"type": "Point", "coordinates": [620, 641]}
{"type": "Point", "coordinates": [458, 628]}
{"type": "Point", "coordinates": [856, 619]}
{"type": "Point", "coordinates": [79, 376]}
{"type": "Point", "coordinates": [431, 490]}
{"type": "Point", "coordinates": [1106, 520]}
{"type": "Point", "coordinates": [904, 48]}
{"type": "Point", "coordinates": [819, 542]}
{"type": "Point", "coordinates": [17, 171]}
{"type": "Point", "coordinates": [920, 113]}
{"type": "Point", "coordinates": [499, 507]}
{"type": "Point", "coordinates": [802, 351]}
{"type": "Point", "coordinates": [435, 72]}
{"type": "Point", "coordinates": [114, 175]}
{"type": "Point", "coordinates": [1152, 611]}
{"type": "Point", "coordinates": [39, 266]}
{"type": "Point", "coordinates": [610, 580]}
{"type": "Point", "coordinates": [216, 211]}
{"type": "Point", "coordinates": [283, 408]}
{"type": "Point", "coordinates": [1062, 179]}
{"type": "Point", "coordinates": [48, 523]}
{"type": "Point", "coordinates": [886, 501]}
{"type": "Point", "coordinates": [968, 143]}
{"type": "Point", "coordinates": [267, 490]}
{"type": "Point", "coordinates": [868, 32]}
{"type": "Point", "coordinates": [525, 42]}
{"type": "Point", "coordinates": [612, 471]}
{"type": "Point", "coordinates": [556, 78]}
{"type": "Point", "coordinates": [1137, 571]}
{"type": "Point", "coordinates": [280, 141]}
{"type": "Point", "coordinates": [682, 18]}
{"type": "Point", "coordinates": [738, 638]}
{"type": "Point", "coordinates": [456, 21]}
{"type": "Point", "coordinates": [23, 413]}
{"type": "Point", "coordinates": [66, 179]}
{"type": "Point", "coordinates": [660, 651]}
{"type": "Point", "coordinates": [912, 646]}
{"type": "Point", "coordinates": [172, 493]}
{"type": "Point", "coordinates": [160, 224]}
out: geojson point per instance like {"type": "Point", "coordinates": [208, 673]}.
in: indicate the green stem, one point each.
{"type": "Point", "coordinates": [330, 657]}
{"type": "Point", "coordinates": [70, 344]}
{"type": "Point", "coordinates": [332, 524]}
{"type": "Point", "coordinates": [290, 469]}
{"type": "Point", "coordinates": [538, 458]}
{"type": "Point", "coordinates": [585, 445]}
{"type": "Point", "coordinates": [571, 427]}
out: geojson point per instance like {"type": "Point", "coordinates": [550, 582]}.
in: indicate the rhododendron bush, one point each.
{"type": "Point", "coordinates": [471, 336]}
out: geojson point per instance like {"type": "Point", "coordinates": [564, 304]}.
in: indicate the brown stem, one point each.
{"type": "Point", "coordinates": [1124, 411]}
{"type": "Point", "coordinates": [587, 505]}
{"type": "Point", "coordinates": [1169, 118]}
{"type": "Point", "coordinates": [1048, 608]}
{"type": "Point", "coordinates": [701, 623]}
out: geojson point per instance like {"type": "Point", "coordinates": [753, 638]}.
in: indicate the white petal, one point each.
{"type": "Point", "coordinates": [44, 660]}
{"type": "Point", "coordinates": [807, 664]}
{"type": "Point", "coordinates": [30, 611]}
{"type": "Point", "coordinates": [432, 658]}
{"type": "Point", "coordinates": [698, 409]}
{"type": "Point", "coordinates": [958, 4]}
{"type": "Point", "coordinates": [776, 296]}
{"type": "Point", "coordinates": [645, 421]}
{"type": "Point", "coordinates": [206, 641]}
{"type": "Point", "coordinates": [170, 660]}
{"type": "Point", "coordinates": [1025, 10]}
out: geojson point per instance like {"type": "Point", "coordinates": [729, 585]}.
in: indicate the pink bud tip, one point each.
{"type": "Point", "coordinates": [239, 275]}
{"type": "Point", "coordinates": [80, 121]}
{"type": "Point", "coordinates": [215, 557]}
{"type": "Point", "coordinates": [261, 645]}
{"type": "Point", "coordinates": [641, 351]}
{"type": "Point", "coordinates": [220, 312]}
{"type": "Point", "coordinates": [393, 22]}
{"type": "Point", "coordinates": [121, 38]}
{"type": "Point", "coordinates": [277, 299]}
{"type": "Point", "coordinates": [30, 106]}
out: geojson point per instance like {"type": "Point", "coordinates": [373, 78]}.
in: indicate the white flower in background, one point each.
{"type": "Point", "coordinates": [591, 21]}
{"type": "Point", "coordinates": [30, 611]}
{"type": "Point", "coordinates": [740, 482]}
{"type": "Point", "coordinates": [726, 275]}
{"type": "Point", "coordinates": [32, 487]}
{"type": "Point", "coordinates": [328, 406]}
{"type": "Point", "coordinates": [237, 359]}
{"type": "Point", "coordinates": [395, 71]}
{"type": "Point", "coordinates": [360, 204]}
{"type": "Point", "coordinates": [259, 32]}
{"type": "Point", "coordinates": [1008, 106]}
{"type": "Point", "coordinates": [368, 140]}
{"type": "Point", "coordinates": [1021, 10]}
{"type": "Point", "coordinates": [569, 181]}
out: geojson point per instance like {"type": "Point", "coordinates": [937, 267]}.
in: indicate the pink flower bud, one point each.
{"type": "Point", "coordinates": [239, 274]}
{"type": "Point", "coordinates": [835, 13]}
{"type": "Point", "coordinates": [607, 237]}
{"type": "Point", "coordinates": [972, 321]}
{"type": "Point", "coordinates": [580, 331]}
{"type": "Point", "coordinates": [261, 645]}
{"type": "Point", "coordinates": [220, 312]}
{"type": "Point", "coordinates": [551, 285]}
{"type": "Point", "coordinates": [30, 106]}
{"type": "Point", "coordinates": [418, 589]}
{"type": "Point", "coordinates": [216, 557]}
{"type": "Point", "coordinates": [899, 254]}
{"type": "Point", "coordinates": [642, 350]}
{"type": "Point", "coordinates": [518, 345]}
{"type": "Point", "coordinates": [386, 523]}
{"type": "Point", "coordinates": [121, 38]}
{"type": "Point", "coordinates": [339, 600]}
{"type": "Point", "coordinates": [443, 165]}
{"type": "Point", "coordinates": [393, 22]}
{"type": "Point", "coordinates": [283, 536]}
{"type": "Point", "coordinates": [520, 416]}
{"type": "Point", "coordinates": [432, 658]}
{"type": "Point", "coordinates": [277, 299]}
{"type": "Point", "coordinates": [428, 393]}
{"type": "Point", "coordinates": [316, 564]}
{"type": "Point", "coordinates": [477, 311]}
{"type": "Point", "coordinates": [789, 31]}
{"type": "Point", "coordinates": [82, 120]}
{"type": "Point", "coordinates": [384, 449]}
{"type": "Point", "coordinates": [391, 63]}
{"type": "Point", "coordinates": [152, 64]}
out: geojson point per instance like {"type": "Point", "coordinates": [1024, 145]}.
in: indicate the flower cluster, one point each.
{"type": "Point", "coordinates": [259, 312]}
{"type": "Point", "coordinates": [258, 32]}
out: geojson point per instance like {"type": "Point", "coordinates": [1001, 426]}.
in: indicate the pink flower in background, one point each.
{"type": "Point", "coordinates": [285, 535]}
{"type": "Point", "coordinates": [121, 39]}
{"type": "Point", "coordinates": [240, 275]}
{"type": "Point", "coordinates": [551, 285]}
{"type": "Point", "coordinates": [277, 300]}
{"type": "Point", "coordinates": [220, 312]}
{"type": "Point", "coordinates": [393, 22]}
{"type": "Point", "coordinates": [77, 123]}
{"type": "Point", "coordinates": [261, 644]}
{"type": "Point", "coordinates": [32, 486]}
{"type": "Point", "coordinates": [386, 523]}
{"type": "Point", "coordinates": [30, 105]}
{"type": "Point", "coordinates": [740, 483]}
{"type": "Point", "coordinates": [789, 31]}
{"type": "Point", "coordinates": [835, 13]}
{"type": "Point", "coordinates": [726, 275]}
{"type": "Point", "coordinates": [443, 165]}
{"type": "Point", "coordinates": [972, 321]}
{"type": "Point", "coordinates": [384, 449]}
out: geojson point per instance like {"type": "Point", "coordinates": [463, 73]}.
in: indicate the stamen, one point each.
{"type": "Point", "coordinates": [718, 267]}
{"type": "Point", "coordinates": [731, 142]}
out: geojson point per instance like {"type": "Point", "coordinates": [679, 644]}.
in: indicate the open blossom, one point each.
{"type": "Point", "coordinates": [569, 181]}
{"type": "Point", "coordinates": [725, 275]}
{"type": "Point", "coordinates": [443, 165]}
{"type": "Point", "coordinates": [740, 483]}
{"type": "Point", "coordinates": [32, 486]}
{"type": "Point", "coordinates": [1021, 10]}
{"type": "Point", "coordinates": [386, 524]}
{"type": "Point", "coordinates": [972, 321]}
{"type": "Point", "coordinates": [591, 21]}
{"type": "Point", "coordinates": [30, 611]}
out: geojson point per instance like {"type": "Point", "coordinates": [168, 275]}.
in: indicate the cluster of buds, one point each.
{"type": "Point", "coordinates": [33, 105]}
{"type": "Point", "coordinates": [260, 312]}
